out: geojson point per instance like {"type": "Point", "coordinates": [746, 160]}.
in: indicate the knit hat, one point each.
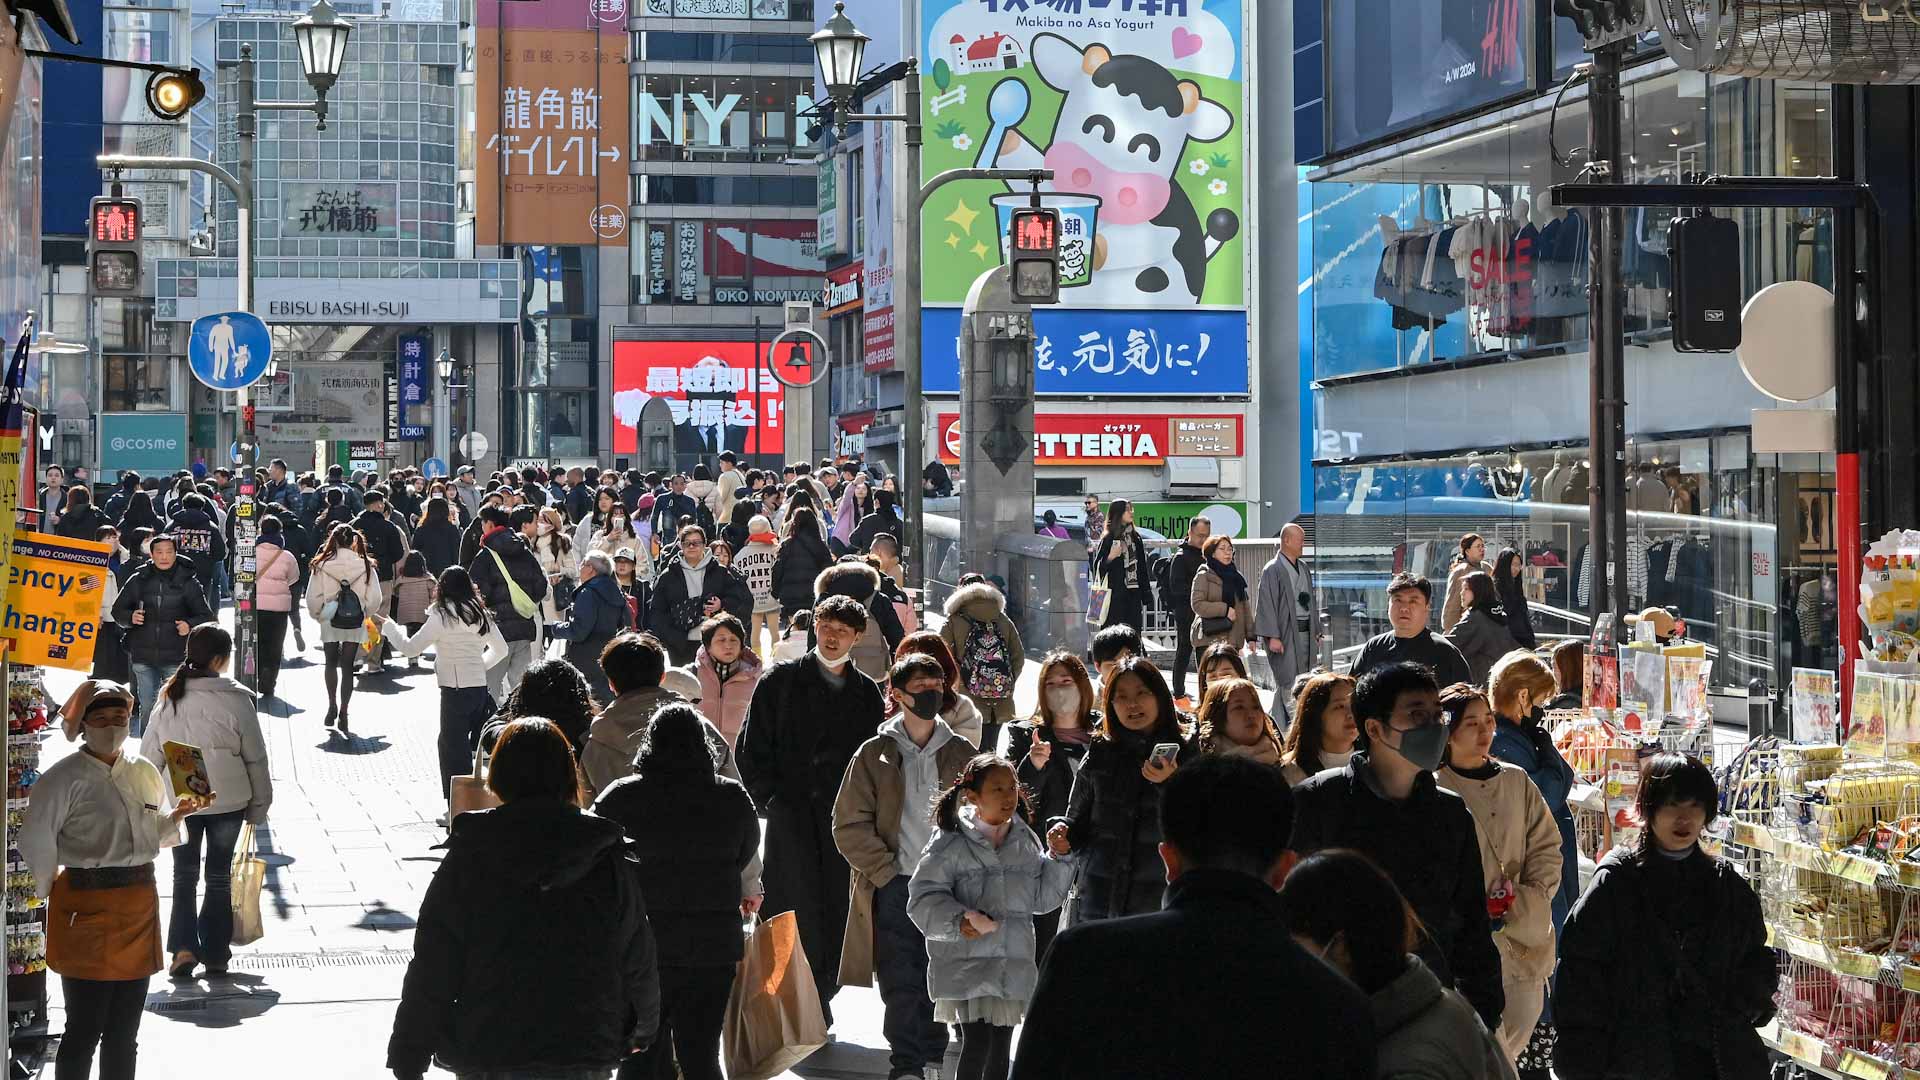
{"type": "Point", "coordinates": [759, 526]}
{"type": "Point", "coordinates": [89, 695]}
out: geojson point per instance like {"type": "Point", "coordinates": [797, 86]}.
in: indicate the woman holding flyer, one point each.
{"type": "Point", "coordinates": [201, 709]}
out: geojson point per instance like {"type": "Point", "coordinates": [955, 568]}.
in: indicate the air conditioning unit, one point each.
{"type": "Point", "coordinates": [1193, 477]}
{"type": "Point", "coordinates": [799, 315]}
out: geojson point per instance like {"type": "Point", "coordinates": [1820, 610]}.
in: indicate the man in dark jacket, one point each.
{"type": "Point", "coordinates": [1409, 605]}
{"type": "Point", "coordinates": [691, 587]}
{"type": "Point", "coordinates": [1386, 805]}
{"type": "Point", "coordinates": [533, 954]}
{"type": "Point", "coordinates": [669, 508]}
{"type": "Point", "coordinates": [201, 540]}
{"type": "Point", "coordinates": [580, 495]}
{"type": "Point", "coordinates": [884, 519]}
{"type": "Point", "coordinates": [1250, 1001]}
{"type": "Point", "coordinates": [599, 613]}
{"type": "Point", "coordinates": [337, 480]}
{"type": "Point", "coordinates": [1186, 563]}
{"type": "Point", "coordinates": [116, 506]}
{"type": "Point", "coordinates": [159, 603]}
{"type": "Point", "coordinates": [808, 718]}
{"type": "Point", "coordinates": [279, 486]}
{"type": "Point", "coordinates": [506, 554]}
{"type": "Point", "coordinates": [82, 520]}
{"type": "Point", "coordinates": [470, 536]}
{"type": "Point", "coordinates": [385, 542]}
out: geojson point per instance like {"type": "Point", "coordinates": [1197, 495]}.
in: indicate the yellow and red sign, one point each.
{"type": "Point", "coordinates": [54, 589]}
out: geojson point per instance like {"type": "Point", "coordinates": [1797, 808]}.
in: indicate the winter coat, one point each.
{"type": "Point", "coordinates": [462, 652]}
{"type": "Point", "coordinates": [873, 525]}
{"type": "Point", "coordinates": [1482, 638]}
{"type": "Point", "coordinates": [725, 704]}
{"type": "Point", "coordinates": [1186, 563]}
{"type": "Point", "coordinates": [1428, 846]}
{"type": "Point", "coordinates": [1110, 566]}
{"type": "Point", "coordinates": [1428, 1032]}
{"type": "Point", "coordinates": [668, 509]}
{"type": "Point", "coordinates": [563, 565]}
{"type": "Point", "coordinates": [506, 548]}
{"type": "Point", "coordinates": [963, 871]}
{"type": "Point", "coordinates": [670, 597]}
{"type": "Point", "coordinates": [1455, 607]}
{"type": "Point", "coordinates": [533, 950]}
{"type": "Point", "coordinates": [797, 562]}
{"type": "Point", "coordinates": [755, 563]}
{"type": "Point", "coordinates": [1209, 590]}
{"type": "Point", "coordinates": [1050, 788]}
{"type": "Point", "coordinates": [1519, 843]}
{"type": "Point", "coordinates": [866, 830]}
{"type": "Point", "coordinates": [982, 606]}
{"type": "Point", "coordinates": [385, 542]}
{"type": "Point", "coordinates": [615, 735]}
{"type": "Point", "coordinates": [873, 650]}
{"type": "Point", "coordinates": [1216, 989]}
{"type": "Point", "coordinates": [1531, 749]}
{"type": "Point", "coordinates": [169, 596]}
{"type": "Point", "coordinates": [1623, 965]}
{"type": "Point", "coordinates": [83, 523]}
{"type": "Point", "coordinates": [694, 836]}
{"type": "Point", "coordinates": [344, 568]}
{"type": "Point", "coordinates": [801, 732]}
{"type": "Point", "coordinates": [200, 539]}
{"type": "Point", "coordinates": [276, 572]}
{"type": "Point", "coordinates": [217, 715]}
{"type": "Point", "coordinates": [705, 496]}
{"type": "Point", "coordinates": [1113, 825]}
{"type": "Point", "coordinates": [726, 491]}
{"type": "Point", "coordinates": [438, 542]}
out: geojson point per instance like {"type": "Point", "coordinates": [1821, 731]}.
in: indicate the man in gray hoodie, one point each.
{"type": "Point", "coordinates": [881, 825]}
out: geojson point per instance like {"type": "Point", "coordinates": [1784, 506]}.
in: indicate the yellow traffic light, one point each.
{"type": "Point", "coordinates": [171, 93]}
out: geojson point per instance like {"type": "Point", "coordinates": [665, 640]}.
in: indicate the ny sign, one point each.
{"type": "Point", "coordinates": [718, 125]}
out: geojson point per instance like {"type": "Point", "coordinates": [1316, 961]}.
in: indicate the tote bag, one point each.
{"type": "Point", "coordinates": [466, 793]}
{"type": "Point", "coordinates": [249, 873]}
{"type": "Point", "coordinates": [1099, 600]}
{"type": "Point", "coordinates": [773, 1019]}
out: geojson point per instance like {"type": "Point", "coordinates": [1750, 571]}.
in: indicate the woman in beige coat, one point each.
{"type": "Point", "coordinates": [1219, 592]}
{"type": "Point", "coordinates": [1520, 852]}
{"type": "Point", "coordinates": [1472, 558]}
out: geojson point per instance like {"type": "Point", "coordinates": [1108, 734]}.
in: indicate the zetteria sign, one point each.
{"type": "Point", "coordinates": [1089, 438]}
{"type": "Point", "coordinates": [842, 293]}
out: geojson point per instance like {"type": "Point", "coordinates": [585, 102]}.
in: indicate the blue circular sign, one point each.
{"type": "Point", "coordinates": [433, 468]}
{"type": "Point", "coordinates": [229, 351]}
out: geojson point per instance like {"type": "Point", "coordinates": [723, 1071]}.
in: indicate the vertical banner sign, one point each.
{"type": "Point", "coordinates": [12, 419]}
{"type": "Point", "coordinates": [551, 111]}
{"type": "Point", "coordinates": [1142, 116]}
{"type": "Point", "coordinates": [410, 364]}
{"type": "Point", "coordinates": [876, 326]}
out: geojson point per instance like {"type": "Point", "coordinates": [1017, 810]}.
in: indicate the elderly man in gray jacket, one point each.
{"type": "Point", "coordinates": [1283, 618]}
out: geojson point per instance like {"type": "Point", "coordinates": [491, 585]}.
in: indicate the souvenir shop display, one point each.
{"type": "Point", "coordinates": [1605, 755]}
{"type": "Point", "coordinates": [28, 712]}
{"type": "Point", "coordinates": [1816, 704]}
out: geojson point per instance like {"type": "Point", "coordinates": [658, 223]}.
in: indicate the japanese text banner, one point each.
{"type": "Point", "coordinates": [1113, 353]}
{"type": "Point", "coordinates": [721, 395]}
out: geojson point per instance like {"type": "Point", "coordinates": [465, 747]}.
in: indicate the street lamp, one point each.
{"type": "Point", "coordinates": [322, 36]}
{"type": "Point", "coordinates": [444, 365]}
{"type": "Point", "coordinates": [840, 48]}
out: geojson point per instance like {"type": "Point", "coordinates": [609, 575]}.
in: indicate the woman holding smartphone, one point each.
{"type": "Point", "coordinates": [1112, 823]}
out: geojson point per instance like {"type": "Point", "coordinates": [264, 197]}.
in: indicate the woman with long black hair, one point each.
{"type": "Point", "coordinates": [1121, 564]}
{"type": "Point", "coordinates": [466, 643]}
{"type": "Point", "coordinates": [342, 574]}
{"type": "Point", "coordinates": [1513, 597]}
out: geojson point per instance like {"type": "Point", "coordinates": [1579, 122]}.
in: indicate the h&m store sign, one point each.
{"type": "Point", "coordinates": [1116, 439]}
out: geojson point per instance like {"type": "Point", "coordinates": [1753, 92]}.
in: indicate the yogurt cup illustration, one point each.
{"type": "Point", "coordinates": [1079, 216]}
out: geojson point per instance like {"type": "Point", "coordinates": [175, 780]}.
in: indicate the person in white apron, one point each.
{"type": "Point", "coordinates": [94, 825]}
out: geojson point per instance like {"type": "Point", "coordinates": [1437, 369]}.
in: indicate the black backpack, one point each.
{"type": "Point", "coordinates": [348, 614]}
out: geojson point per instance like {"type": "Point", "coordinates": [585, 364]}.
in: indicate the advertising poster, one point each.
{"type": "Point", "coordinates": [1172, 518]}
{"type": "Point", "coordinates": [551, 122]}
{"type": "Point", "coordinates": [1141, 114]}
{"type": "Point", "coordinates": [54, 589]}
{"type": "Point", "coordinates": [1401, 63]}
{"type": "Point", "coordinates": [1816, 700]}
{"type": "Point", "coordinates": [721, 395]}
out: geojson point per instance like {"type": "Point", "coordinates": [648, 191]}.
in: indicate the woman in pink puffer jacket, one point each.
{"type": "Point", "coordinates": [276, 571]}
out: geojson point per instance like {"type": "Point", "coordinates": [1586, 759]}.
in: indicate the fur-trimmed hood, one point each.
{"type": "Point", "coordinates": [855, 579]}
{"type": "Point", "coordinates": [980, 602]}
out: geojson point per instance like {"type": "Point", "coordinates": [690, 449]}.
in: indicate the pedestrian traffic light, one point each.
{"type": "Point", "coordinates": [1033, 254]}
{"type": "Point", "coordinates": [113, 241]}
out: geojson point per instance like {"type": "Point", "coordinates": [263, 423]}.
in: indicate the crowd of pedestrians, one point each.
{"type": "Point", "coordinates": [703, 699]}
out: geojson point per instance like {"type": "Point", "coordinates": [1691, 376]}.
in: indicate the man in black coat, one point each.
{"type": "Point", "coordinates": [159, 603]}
{"type": "Point", "coordinates": [116, 505]}
{"type": "Point", "coordinates": [808, 718]}
{"type": "Point", "coordinates": [506, 553]}
{"type": "Point", "coordinates": [385, 542]}
{"type": "Point", "coordinates": [599, 614]}
{"type": "Point", "coordinates": [1213, 986]}
{"type": "Point", "coordinates": [1409, 605]}
{"type": "Point", "coordinates": [1386, 805]}
{"type": "Point", "coordinates": [1186, 563]}
{"type": "Point", "coordinates": [470, 536]}
{"type": "Point", "coordinates": [82, 520]}
{"type": "Point", "coordinates": [680, 605]}
{"type": "Point", "coordinates": [669, 508]}
{"type": "Point", "coordinates": [337, 479]}
{"type": "Point", "coordinates": [200, 539]}
{"type": "Point", "coordinates": [279, 486]}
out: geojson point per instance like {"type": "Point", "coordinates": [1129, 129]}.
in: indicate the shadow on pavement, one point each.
{"type": "Point", "coordinates": [354, 744]}
{"type": "Point", "coordinates": [215, 1003]}
{"type": "Point", "coordinates": [381, 917]}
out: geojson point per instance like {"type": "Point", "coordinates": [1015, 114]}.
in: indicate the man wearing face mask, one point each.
{"type": "Point", "coordinates": [881, 825]}
{"type": "Point", "coordinates": [808, 718]}
{"type": "Point", "coordinates": [1386, 805]}
{"type": "Point", "coordinates": [95, 822]}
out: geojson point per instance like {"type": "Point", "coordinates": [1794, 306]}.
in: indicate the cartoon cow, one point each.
{"type": "Point", "coordinates": [1121, 135]}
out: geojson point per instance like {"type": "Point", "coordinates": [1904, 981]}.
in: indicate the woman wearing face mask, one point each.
{"type": "Point", "coordinates": [1519, 851]}
{"type": "Point", "coordinates": [1048, 750]}
{"type": "Point", "coordinates": [200, 706]}
{"type": "Point", "coordinates": [1232, 722]}
{"type": "Point", "coordinates": [1323, 731]}
{"type": "Point", "coordinates": [1340, 906]}
{"type": "Point", "coordinates": [1112, 823]}
{"type": "Point", "coordinates": [1519, 685]}
{"type": "Point", "coordinates": [94, 824]}
{"type": "Point", "coordinates": [728, 671]}
{"type": "Point", "coordinates": [1664, 967]}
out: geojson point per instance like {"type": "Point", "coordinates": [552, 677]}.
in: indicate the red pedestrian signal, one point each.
{"type": "Point", "coordinates": [116, 221]}
{"type": "Point", "coordinates": [113, 245]}
{"type": "Point", "coordinates": [1033, 255]}
{"type": "Point", "coordinates": [1036, 232]}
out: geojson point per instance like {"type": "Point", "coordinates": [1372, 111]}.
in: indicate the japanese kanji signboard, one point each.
{"type": "Point", "coordinates": [552, 122]}
{"type": "Point", "coordinates": [721, 394]}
